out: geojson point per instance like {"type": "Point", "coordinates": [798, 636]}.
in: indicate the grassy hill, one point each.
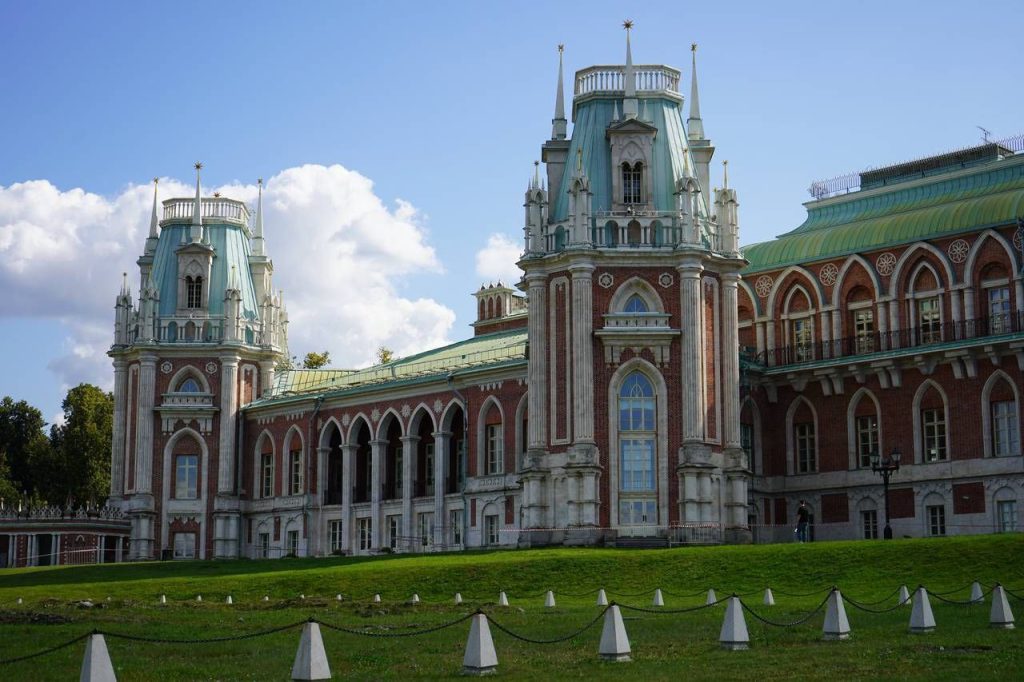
{"type": "Point", "coordinates": [665, 644]}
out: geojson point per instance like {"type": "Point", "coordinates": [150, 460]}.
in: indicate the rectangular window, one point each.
{"type": "Point", "coordinates": [365, 533]}
{"type": "Point", "coordinates": [295, 467]}
{"type": "Point", "coordinates": [999, 310]}
{"type": "Point", "coordinates": [394, 530]}
{"type": "Point", "coordinates": [336, 536]}
{"type": "Point", "coordinates": [1005, 438]}
{"type": "Point", "coordinates": [493, 465]}
{"type": "Point", "coordinates": [631, 184]}
{"type": "Point", "coordinates": [802, 338]}
{"type": "Point", "coordinates": [428, 466]}
{"type": "Point", "coordinates": [264, 545]}
{"type": "Point", "coordinates": [426, 528]}
{"type": "Point", "coordinates": [747, 443]}
{"type": "Point", "coordinates": [293, 542]}
{"type": "Point", "coordinates": [186, 483]}
{"type": "Point", "coordinates": [638, 512]}
{"type": "Point", "coordinates": [1006, 515]}
{"type": "Point", "coordinates": [637, 464]}
{"type": "Point", "coordinates": [936, 519]}
{"type": "Point", "coordinates": [867, 439]}
{"type": "Point", "coordinates": [869, 522]}
{"type": "Point", "coordinates": [460, 462]}
{"type": "Point", "coordinates": [194, 291]}
{"type": "Point", "coordinates": [929, 320]}
{"type": "Point", "coordinates": [184, 545]}
{"type": "Point", "coordinates": [864, 330]}
{"type": "Point", "coordinates": [455, 526]}
{"type": "Point", "coordinates": [933, 431]}
{"type": "Point", "coordinates": [806, 454]}
{"type": "Point", "coordinates": [491, 529]}
{"type": "Point", "coordinates": [267, 475]}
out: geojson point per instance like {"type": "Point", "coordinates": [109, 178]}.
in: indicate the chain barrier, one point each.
{"type": "Point", "coordinates": [682, 596]}
{"type": "Point", "coordinates": [364, 633]}
{"type": "Point", "coordinates": [663, 611]}
{"type": "Point", "coordinates": [969, 602]}
{"type": "Point", "coordinates": [1013, 594]}
{"type": "Point", "coordinates": [631, 594]}
{"type": "Point", "coordinates": [798, 621]}
{"type": "Point", "coordinates": [867, 608]}
{"type": "Point", "coordinates": [206, 640]}
{"type": "Point", "coordinates": [943, 594]}
{"type": "Point", "coordinates": [800, 594]}
{"type": "Point", "coordinates": [857, 603]}
{"type": "Point", "coordinates": [577, 594]}
{"type": "Point", "coordinates": [8, 661]}
{"type": "Point", "coordinates": [556, 640]}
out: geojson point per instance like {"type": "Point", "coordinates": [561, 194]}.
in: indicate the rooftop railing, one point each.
{"type": "Point", "coordinates": [648, 78]}
{"type": "Point", "coordinates": [217, 208]}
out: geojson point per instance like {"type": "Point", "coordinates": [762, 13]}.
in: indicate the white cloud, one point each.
{"type": "Point", "coordinates": [497, 260]}
{"type": "Point", "coordinates": [339, 253]}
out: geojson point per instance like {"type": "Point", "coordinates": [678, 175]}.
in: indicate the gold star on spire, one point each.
{"type": "Point", "coordinates": [561, 47]}
{"type": "Point", "coordinates": [259, 181]}
{"type": "Point", "coordinates": [199, 165]}
{"type": "Point", "coordinates": [627, 24]}
{"type": "Point", "coordinates": [693, 47]}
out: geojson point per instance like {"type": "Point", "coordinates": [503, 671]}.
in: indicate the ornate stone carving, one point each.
{"type": "Point", "coordinates": [763, 286]}
{"type": "Point", "coordinates": [1018, 238]}
{"type": "Point", "coordinates": [958, 250]}
{"type": "Point", "coordinates": [828, 274]}
{"type": "Point", "coordinates": [375, 415]}
{"type": "Point", "coordinates": [666, 280]}
{"type": "Point", "coordinates": [885, 263]}
{"type": "Point", "coordinates": [166, 367]}
{"type": "Point", "coordinates": [346, 420]}
{"type": "Point", "coordinates": [211, 367]}
{"type": "Point", "coordinates": [438, 405]}
{"type": "Point", "coordinates": [406, 411]}
{"type": "Point", "coordinates": [606, 280]}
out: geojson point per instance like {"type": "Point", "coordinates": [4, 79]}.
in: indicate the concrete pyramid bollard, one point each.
{"type": "Point", "coordinates": [199, 597]}
{"type": "Point", "coordinates": [96, 665]}
{"type": "Point", "coordinates": [734, 635]}
{"type": "Point", "coordinates": [415, 599]}
{"type": "Point", "coordinates": [903, 596]}
{"type": "Point", "coordinates": [837, 625]}
{"type": "Point", "coordinates": [769, 598]}
{"type": "Point", "coordinates": [376, 599]}
{"type": "Point", "coordinates": [602, 598]}
{"type": "Point", "coordinates": [310, 658]}
{"type": "Point", "coordinates": [266, 598]}
{"type": "Point", "coordinates": [480, 657]}
{"type": "Point", "coordinates": [712, 597]}
{"type": "Point", "coordinates": [458, 597]}
{"type": "Point", "coordinates": [302, 597]}
{"type": "Point", "coordinates": [163, 598]}
{"type": "Point", "coordinates": [502, 599]}
{"type": "Point", "coordinates": [229, 600]}
{"type": "Point", "coordinates": [549, 600]}
{"type": "Point", "coordinates": [337, 597]}
{"type": "Point", "coordinates": [20, 600]}
{"type": "Point", "coordinates": [977, 597]}
{"type": "Point", "coordinates": [921, 618]}
{"type": "Point", "coordinates": [614, 640]}
{"type": "Point", "coordinates": [1000, 616]}
{"type": "Point", "coordinates": [658, 600]}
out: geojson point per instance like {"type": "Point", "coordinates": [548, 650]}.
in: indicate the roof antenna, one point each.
{"type": "Point", "coordinates": [985, 134]}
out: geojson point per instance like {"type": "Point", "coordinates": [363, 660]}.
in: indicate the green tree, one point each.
{"type": "Point", "coordinates": [315, 360]}
{"type": "Point", "coordinates": [22, 443]}
{"type": "Point", "coordinates": [385, 355]}
{"type": "Point", "coordinates": [79, 468]}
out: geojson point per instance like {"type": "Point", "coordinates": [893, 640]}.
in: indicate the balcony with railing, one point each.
{"type": "Point", "coordinates": [213, 209]}
{"type": "Point", "coordinates": [919, 339]}
{"type": "Point", "coordinates": [612, 79]}
{"type": "Point", "coordinates": [637, 230]}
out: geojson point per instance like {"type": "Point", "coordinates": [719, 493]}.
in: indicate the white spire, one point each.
{"type": "Point", "coordinates": [615, 110]}
{"type": "Point", "coordinates": [124, 283]}
{"type": "Point", "coordinates": [536, 175]}
{"type": "Point", "coordinates": [694, 125]}
{"type": "Point", "coordinates": [558, 123]}
{"type": "Point", "coordinates": [154, 220]}
{"type": "Point", "coordinates": [197, 209]}
{"type": "Point", "coordinates": [725, 174]}
{"type": "Point", "coordinates": [629, 78]}
{"type": "Point", "coordinates": [258, 248]}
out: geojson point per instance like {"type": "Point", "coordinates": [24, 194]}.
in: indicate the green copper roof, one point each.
{"type": "Point", "coordinates": [479, 351]}
{"type": "Point", "coordinates": [231, 247]}
{"type": "Point", "coordinates": [981, 197]}
{"type": "Point", "coordinates": [592, 120]}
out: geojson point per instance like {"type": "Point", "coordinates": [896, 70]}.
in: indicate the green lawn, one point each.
{"type": "Point", "coordinates": [665, 645]}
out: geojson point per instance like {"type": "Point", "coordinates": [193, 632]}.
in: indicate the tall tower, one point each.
{"type": "Point", "coordinates": [204, 340]}
{"type": "Point", "coordinates": [631, 276]}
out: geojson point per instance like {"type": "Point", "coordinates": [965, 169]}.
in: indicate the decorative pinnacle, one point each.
{"type": "Point", "coordinates": [216, 195]}
{"type": "Point", "coordinates": [156, 181]}
{"type": "Point", "coordinates": [199, 165]}
{"type": "Point", "coordinates": [693, 47]}
{"type": "Point", "coordinates": [561, 47]}
{"type": "Point", "coordinates": [725, 175]}
{"type": "Point", "coordinates": [259, 181]}
{"type": "Point", "coordinates": [627, 24]}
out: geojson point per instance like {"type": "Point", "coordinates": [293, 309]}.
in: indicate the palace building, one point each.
{"type": "Point", "coordinates": [647, 382]}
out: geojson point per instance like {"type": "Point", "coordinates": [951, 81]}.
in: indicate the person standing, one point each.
{"type": "Point", "coordinates": [803, 517]}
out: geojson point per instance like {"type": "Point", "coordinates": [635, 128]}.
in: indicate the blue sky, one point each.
{"type": "Point", "coordinates": [441, 105]}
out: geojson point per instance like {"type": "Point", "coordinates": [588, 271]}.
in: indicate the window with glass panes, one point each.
{"type": "Point", "coordinates": [394, 530]}
{"type": "Point", "coordinates": [635, 304]}
{"type": "Point", "coordinates": [802, 339]}
{"type": "Point", "coordinates": [1005, 434]}
{"type": "Point", "coordinates": [636, 447]}
{"type": "Point", "coordinates": [933, 431]}
{"type": "Point", "coordinates": [264, 545]}
{"type": "Point", "coordinates": [455, 526]}
{"type": "Point", "coordinates": [929, 320]}
{"type": "Point", "coordinates": [293, 542]}
{"type": "Point", "coordinates": [869, 524]}
{"type": "Point", "coordinates": [426, 527]}
{"type": "Point", "coordinates": [806, 455]}
{"type": "Point", "coordinates": [184, 545]}
{"type": "Point", "coordinates": [491, 529]}
{"type": "Point", "coordinates": [493, 462]}
{"type": "Point", "coordinates": [864, 330]}
{"type": "Point", "coordinates": [267, 475]}
{"type": "Point", "coordinates": [867, 438]}
{"type": "Point", "coordinates": [295, 469]}
{"type": "Point", "coordinates": [194, 292]}
{"type": "Point", "coordinates": [1006, 515]}
{"type": "Point", "coordinates": [998, 309]}
{"type": "Point", "coordinates": [631, 183]}
{"type": "Point", "coordinates": [186, 477]}
{"type": "Point", "coordinates": [747, 443]}
{"type": "Point", "coordinates": [365, 533]}
{"type": "Point", "coordinates": [936, 515]}
{"type": "Point", "coordinates": [428, 466]}
{"type": "Point", "coordinates": [336, 535]}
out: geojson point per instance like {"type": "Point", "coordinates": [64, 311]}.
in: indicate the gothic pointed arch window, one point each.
{"type": "Point", "coordinates": [637, 434]}
{"type": "Point", "coordinates": [635, 304]}
{"type": "Point", "coordinates": [189, 385]}
{"type": "Point", "coordinates": [194, 291]}
{"type": "Point", "coordinates": [632, 182]}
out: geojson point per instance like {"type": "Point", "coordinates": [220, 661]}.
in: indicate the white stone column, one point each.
{"type": "Point", "coordinates": [117, 460]}
{"type": "Point", "coordinates": [377, 450]}
{"type": "Point", "coordinates": [266, 377]}
{"type": "Point", "coordinates": [348, 453]}
{"type": "Point", "coordinates": [826, 334]}
{"type": "Point", "coordinates": [583, 353]}
{"type": "Point", "coordinates": [1019, 285]}
{"type": "Point", "coordinates": [409, 444]}
{"type": "Point", "coordinates": [759, 336]}
{"type": "Point", "coordinates": [692, 352]}
{"type": "Point", "coordinates": [144, 424]}
{"type": "Point", "coordinates": [228, 414]}
{"type": "Point", "coordinates": [537, 372]}
{"type": "Point", "coordinates": [883, 325]}
{"type": "Point", "coordinates": [894, 323]}
{"type": "Point", "coordinates": [729, 353]}
{"type": "Point", "coordinates": [969, 303]}
{"type": "Point", "coordinates": [706, 498]}
{"type": "Point", "coordinates": [442, 441]}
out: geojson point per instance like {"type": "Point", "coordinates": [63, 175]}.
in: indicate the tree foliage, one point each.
{"type": "Point", "coordinates": [22, 444]}
{"type": "Point", "coordinates": [385, 355]}
{"type": "Point", "coordinates": [314, 360]}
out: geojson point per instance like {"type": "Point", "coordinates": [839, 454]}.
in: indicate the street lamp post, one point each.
{"type": "Point", "coordinates": [886, 467]}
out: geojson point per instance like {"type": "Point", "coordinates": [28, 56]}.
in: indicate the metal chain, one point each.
{"type": "Point", "coordinates": [207, 640]}
{"type": "Point", "coordinates": [556, 640]}
{"type": "Point", "coordinates": [37, 654]}
{"type": "Point", "coordinates": [660, 611]}
{"type": "Point", "coordinates": [682, 596]}
{"type": "Point", "coordinates": [630, 594]}
{"type": "Point", "coordinates": [799, 621]}
{"type": "Point", "coordinates": [867, 609]}
{"type": "Point", "coordinates": [969, 602]}
{"type": "Point", "coordinates": [858, 603]}
{"type": "Point", "coordinates": [800, 594]}
{"type": "Point", "coordinates": [364, 633]}
{"type": "Point", "coordinates": [941, 594]}
{"type": "Point", "coordinates": [1013, 594]}
{"type": "Point", "coordinates": [578, 594]}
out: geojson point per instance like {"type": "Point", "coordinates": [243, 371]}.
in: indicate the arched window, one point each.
{"type": "Point", "coordinates": [635, 304]}
{"type": "Point", "coordinates": [189, 385]}
{"type": "Point", "coordinates": [631, 183]}
{"type": "Point", "coordinates": [637, 502]}
{"type": "Point", "coordinates": [194, 292]}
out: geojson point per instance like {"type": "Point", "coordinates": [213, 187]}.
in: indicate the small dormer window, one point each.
{"type": "Point", "coordinates": [635, 304]}
{"type": "Point", "coordinates": [632, 182]}
{"type": "Point", "coordinates": [194, 291]}
{"type": "Point", "coordinates": [189, 385]}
